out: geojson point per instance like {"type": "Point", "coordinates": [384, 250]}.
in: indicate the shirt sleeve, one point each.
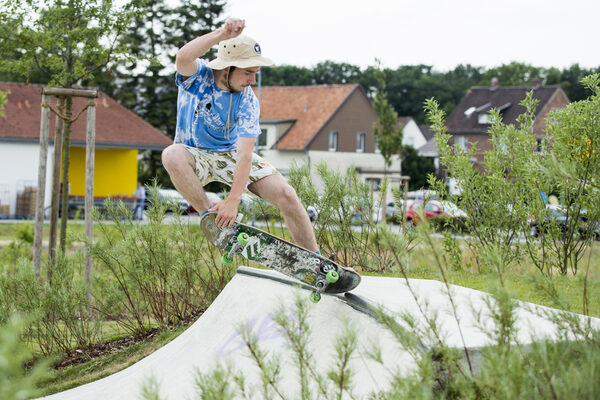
{"type": "Point", "coordinates": [186, 84]}
{"type": "Point", "coordinates": [249, 114]}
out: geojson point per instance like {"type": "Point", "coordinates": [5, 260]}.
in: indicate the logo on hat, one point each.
{"type": "Point", "coordinates": [257, 48]}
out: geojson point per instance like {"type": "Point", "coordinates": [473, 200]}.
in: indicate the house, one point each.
{"type": "Point", "coordinates": [412, 135]}
{"type": "Point", "coordinates": [308, 125]}
{"type": "Point", "coordinates": [120, 135]}
{"type": "Point", "coordinates": [469, 122]}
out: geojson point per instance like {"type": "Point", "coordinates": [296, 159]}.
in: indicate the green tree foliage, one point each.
{"type": "Point", "coordinates": [388, 135]}
{"type": "Point", "coordinates": [68, 41]}
{"type": "Point", "coordinates": [3, 99]}
{"type": "Point", "coordinates": [409, 86]}
{"type": "Point", "coordinates": [146, 83]}
{"type": "Point", "coordinates": [15, 383]}
{"type": "Point", "coordinates": [417, 167]}
{"type": "Point", "coordinates": [570, 169]}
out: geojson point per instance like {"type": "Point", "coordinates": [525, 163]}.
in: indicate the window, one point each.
{"type": "Point", "coordinates": [484, 119]}
{"type": "Point", "coordinates": [360, 142]}
{"type": "Point", "coordinates": [460, 142]}
{"type": "Point", "coordinates": [262, 139]}
{"type": "Point", "coordinates": [373, 183]}
{"type": "Point", "coordinates": [333, 141]}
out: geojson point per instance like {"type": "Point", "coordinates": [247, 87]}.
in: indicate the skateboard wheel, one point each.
{"type": "Point", "coordinates": [243, 238]}
{"type": "Point", "coordinates": [226, 260]}
{"type": "Point", "coordinates": [315, 297]}
{"type": "Point", "coordinates": [332, 276]}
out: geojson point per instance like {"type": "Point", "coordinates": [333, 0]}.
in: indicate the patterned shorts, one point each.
{"type": "Point", "coordinates": [212, 166]}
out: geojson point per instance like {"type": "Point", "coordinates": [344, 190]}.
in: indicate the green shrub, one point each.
{"type": "Point", "coordinates": [15, 382]}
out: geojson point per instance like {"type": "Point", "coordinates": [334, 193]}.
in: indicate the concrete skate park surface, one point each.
{"type": "Point", "coordinates": [250, 300]}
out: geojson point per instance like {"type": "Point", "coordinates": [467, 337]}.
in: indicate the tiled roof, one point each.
{"type": "Point", "coordinates": [310, 106]}
{"type": "Point", "coordinates": [464, 117]}
{"type": "Point", "coordinates": [116, 126]}
{"type": "Point", "coordinates": [427, 132]}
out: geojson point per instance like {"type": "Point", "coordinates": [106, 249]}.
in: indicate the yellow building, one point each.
{"type": "Point", "coordinates": [120, 136]}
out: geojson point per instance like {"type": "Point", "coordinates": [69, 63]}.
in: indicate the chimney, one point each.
{"type": "Point", "coordinates": [536, 83]}
{"type": "Point", "coordinates": [494, 83]}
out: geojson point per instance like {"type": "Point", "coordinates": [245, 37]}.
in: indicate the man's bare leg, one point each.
{"type": "Point", "coordinates": [181, 166]}
{"type": "Point", "coordinates": [278, 192]}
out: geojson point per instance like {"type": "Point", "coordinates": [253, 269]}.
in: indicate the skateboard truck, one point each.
{"type": "Point", "coordinates": [331, 276]}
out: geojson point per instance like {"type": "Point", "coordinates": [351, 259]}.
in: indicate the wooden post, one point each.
{"type": "Point", "coordinates": [39, 211]}
{"type": "Point", "coordinates": [89, 201]}
{"type": "Point", "coordinates": [55, 202]}
{"type": "Point", "coordinates": [404, 180]}
{"type": "Point", "coordinates": [90, 147]}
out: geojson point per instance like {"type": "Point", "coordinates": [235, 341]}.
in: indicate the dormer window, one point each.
{"type": "Point", "coordinates": [484, 118]}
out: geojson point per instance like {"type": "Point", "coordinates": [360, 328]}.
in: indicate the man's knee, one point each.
{"type": "Point", "coordinates": [174, 157]}
{"type": "Point", "coordinates": [288, 197]}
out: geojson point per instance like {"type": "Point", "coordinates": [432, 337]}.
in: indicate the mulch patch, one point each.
{"type": "Point", "coordinates": [83, 355]}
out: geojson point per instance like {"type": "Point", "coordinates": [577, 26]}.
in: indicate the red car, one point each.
{"type": "Point", "coordinates": [432, 209]}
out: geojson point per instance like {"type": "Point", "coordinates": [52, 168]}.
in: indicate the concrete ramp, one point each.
{"type": "Point", "coordinates": [251, 298]}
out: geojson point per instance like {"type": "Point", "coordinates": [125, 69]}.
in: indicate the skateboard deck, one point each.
{"type": "Point", "coordinates": [324, 275]}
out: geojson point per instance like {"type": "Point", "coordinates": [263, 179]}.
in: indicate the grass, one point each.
{"type": "Point", "coordinates": [522, 281]}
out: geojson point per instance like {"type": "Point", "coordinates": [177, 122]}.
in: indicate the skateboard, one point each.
{"type": "Point", "coordinates": [322, 274]}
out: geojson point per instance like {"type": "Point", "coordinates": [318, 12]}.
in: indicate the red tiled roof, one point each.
{"type": "Point", "coordinates": [310, 106]}
{"type": "Point", "coordinates": [116, 126]}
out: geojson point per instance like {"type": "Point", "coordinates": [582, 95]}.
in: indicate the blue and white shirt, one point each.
{"type": "Point", "coordinates": [202, 112]}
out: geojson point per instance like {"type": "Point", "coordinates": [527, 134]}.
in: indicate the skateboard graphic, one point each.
{"type": "Point", "coordinates": [322, 274]}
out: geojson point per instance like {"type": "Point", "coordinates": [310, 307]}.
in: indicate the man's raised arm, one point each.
{"type": "Point", "coordinates": [187, 55]}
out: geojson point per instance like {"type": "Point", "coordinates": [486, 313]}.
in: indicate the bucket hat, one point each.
{"type": "Point", "coordinates": [241, 51]}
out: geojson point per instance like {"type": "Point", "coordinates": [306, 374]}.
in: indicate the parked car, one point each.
{"type": "Point", "coordinates": [392, 209]}
{"type": "Point", "coordinates": [557, 216]}
{"type": "Point", "coordinates": [172, 197]}
{"type": "Point", "coordinates": [433, 209]}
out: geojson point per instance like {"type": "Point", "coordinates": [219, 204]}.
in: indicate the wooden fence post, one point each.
{"type": "Point", "coordinates": [55, 200]}
{"type": "Point", "coordinates": [39, 210]}
{"type": "Point", "coordinates": [90, 149]}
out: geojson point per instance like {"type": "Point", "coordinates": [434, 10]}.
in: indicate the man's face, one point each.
{"type": "Point", "coordinates": [243, 77]}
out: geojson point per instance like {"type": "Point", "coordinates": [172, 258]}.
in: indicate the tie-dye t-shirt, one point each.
{"type": "Point", "coordinates": [202, 112]}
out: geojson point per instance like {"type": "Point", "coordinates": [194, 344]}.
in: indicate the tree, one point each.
{"type": "Point", "coordinates": [387, 132]}
{"type": "Point", "coordinates": [68, 41]}
{"type": "Point", "coordinates": [146, 83]}
{"type": "Point", "coordinates": [417, 167]}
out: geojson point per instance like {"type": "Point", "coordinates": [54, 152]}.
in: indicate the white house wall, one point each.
{"type": "Point", "coordinates": [338, 161]}
{"type": "Point", "coordinates": [412, 135]}
{"type": "Point", "coordinates": [19, 163]}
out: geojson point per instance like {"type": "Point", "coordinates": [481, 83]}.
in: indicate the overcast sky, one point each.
{"type": "Point", "coordinates": [442, 33]}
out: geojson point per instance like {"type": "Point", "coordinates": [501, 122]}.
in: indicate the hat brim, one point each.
{"type": "Point", "coordinates": [258, 61]}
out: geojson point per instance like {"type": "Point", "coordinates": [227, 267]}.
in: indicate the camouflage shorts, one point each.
{"type": "Point", "coordinates": [212, 166]}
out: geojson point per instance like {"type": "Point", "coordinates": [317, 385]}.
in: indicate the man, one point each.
{"type": "Point", "coordinates": [139, 195]}
{"type": "Point", "coordinates": [217, 126]}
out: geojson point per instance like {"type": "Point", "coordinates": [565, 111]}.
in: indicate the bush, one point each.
{"type": "Point", "coordinates": [155, 273]}
{"type": "Point", "coordinates": [15, 382]}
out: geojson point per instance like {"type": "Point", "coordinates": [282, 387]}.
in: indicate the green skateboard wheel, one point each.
{"type": "Point", "coordinates": [243, 238]}
{"type": "Point", "coordinates": [226, 260]}
{"type": "Point", "coordinates": [315, 297]}
{"type": "Point", "coordinates": [332, 276]}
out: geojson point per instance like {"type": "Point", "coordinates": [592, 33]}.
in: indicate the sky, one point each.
{"type": "Point", "coordinates": [441, 33]}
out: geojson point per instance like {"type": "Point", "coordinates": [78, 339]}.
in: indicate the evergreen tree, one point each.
{"type": "Point", "coordinates": [146, 84]}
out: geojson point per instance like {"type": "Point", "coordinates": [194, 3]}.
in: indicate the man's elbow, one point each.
{"type": "Point", "coordinates": [185, 64]}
